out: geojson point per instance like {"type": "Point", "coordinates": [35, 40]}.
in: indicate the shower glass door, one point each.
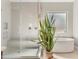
{"type": "Point", "coordinates": [24, 32]}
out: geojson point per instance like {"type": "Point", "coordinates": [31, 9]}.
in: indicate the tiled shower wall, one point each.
{"type": "Point", "coordinates": [24, 14]}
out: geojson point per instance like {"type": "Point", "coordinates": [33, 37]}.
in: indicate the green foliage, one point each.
{"type": "Point", "coordinates": [47, 32]}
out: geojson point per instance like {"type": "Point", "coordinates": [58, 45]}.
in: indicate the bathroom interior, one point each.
{"type": "Point", "coordinates": [20, 30]}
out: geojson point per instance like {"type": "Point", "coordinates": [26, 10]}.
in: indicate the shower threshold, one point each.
{"type": "Point", "coordinates": [31, 53]}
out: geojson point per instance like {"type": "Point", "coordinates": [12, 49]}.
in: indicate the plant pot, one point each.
{"type": "Point", "coordinates": [47, 55]}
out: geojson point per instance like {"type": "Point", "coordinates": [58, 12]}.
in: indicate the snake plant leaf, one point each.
{"type": "Point", "coordinates": [52, 18]}
{"type": "Point", "coordinates": [53, 21]}
{"type": "Point", "coordinates": [47, 21]}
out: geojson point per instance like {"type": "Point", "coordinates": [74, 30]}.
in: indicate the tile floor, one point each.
{"type": "Point", "coordinates": [73, 55]}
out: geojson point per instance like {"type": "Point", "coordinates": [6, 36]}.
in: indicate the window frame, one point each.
{"type": "Point", "coordinates": [66, 22]}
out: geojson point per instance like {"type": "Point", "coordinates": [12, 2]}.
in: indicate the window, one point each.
{"type": "Point", "coordinates": [60, 21]}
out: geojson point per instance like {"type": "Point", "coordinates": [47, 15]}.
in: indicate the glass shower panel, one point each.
{"type": "Point", "coordinates": [13, 43]}
{"type": "Point", "coordinates": [24, 32]}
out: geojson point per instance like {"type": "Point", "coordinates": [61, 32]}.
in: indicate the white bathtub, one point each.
{"type": "Point", "coordinates": [64, 45]}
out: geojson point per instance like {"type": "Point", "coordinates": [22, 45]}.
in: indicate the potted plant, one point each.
{"type": "Point", "coordinates": [47, 32]}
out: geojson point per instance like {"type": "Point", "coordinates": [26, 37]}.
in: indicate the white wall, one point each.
{"type": "Point", "coordinates": [5, 18]}
{"type": "Point", "coordinates": [75, 22]}
{"type": "Point", "coordinates": [27, 12]}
